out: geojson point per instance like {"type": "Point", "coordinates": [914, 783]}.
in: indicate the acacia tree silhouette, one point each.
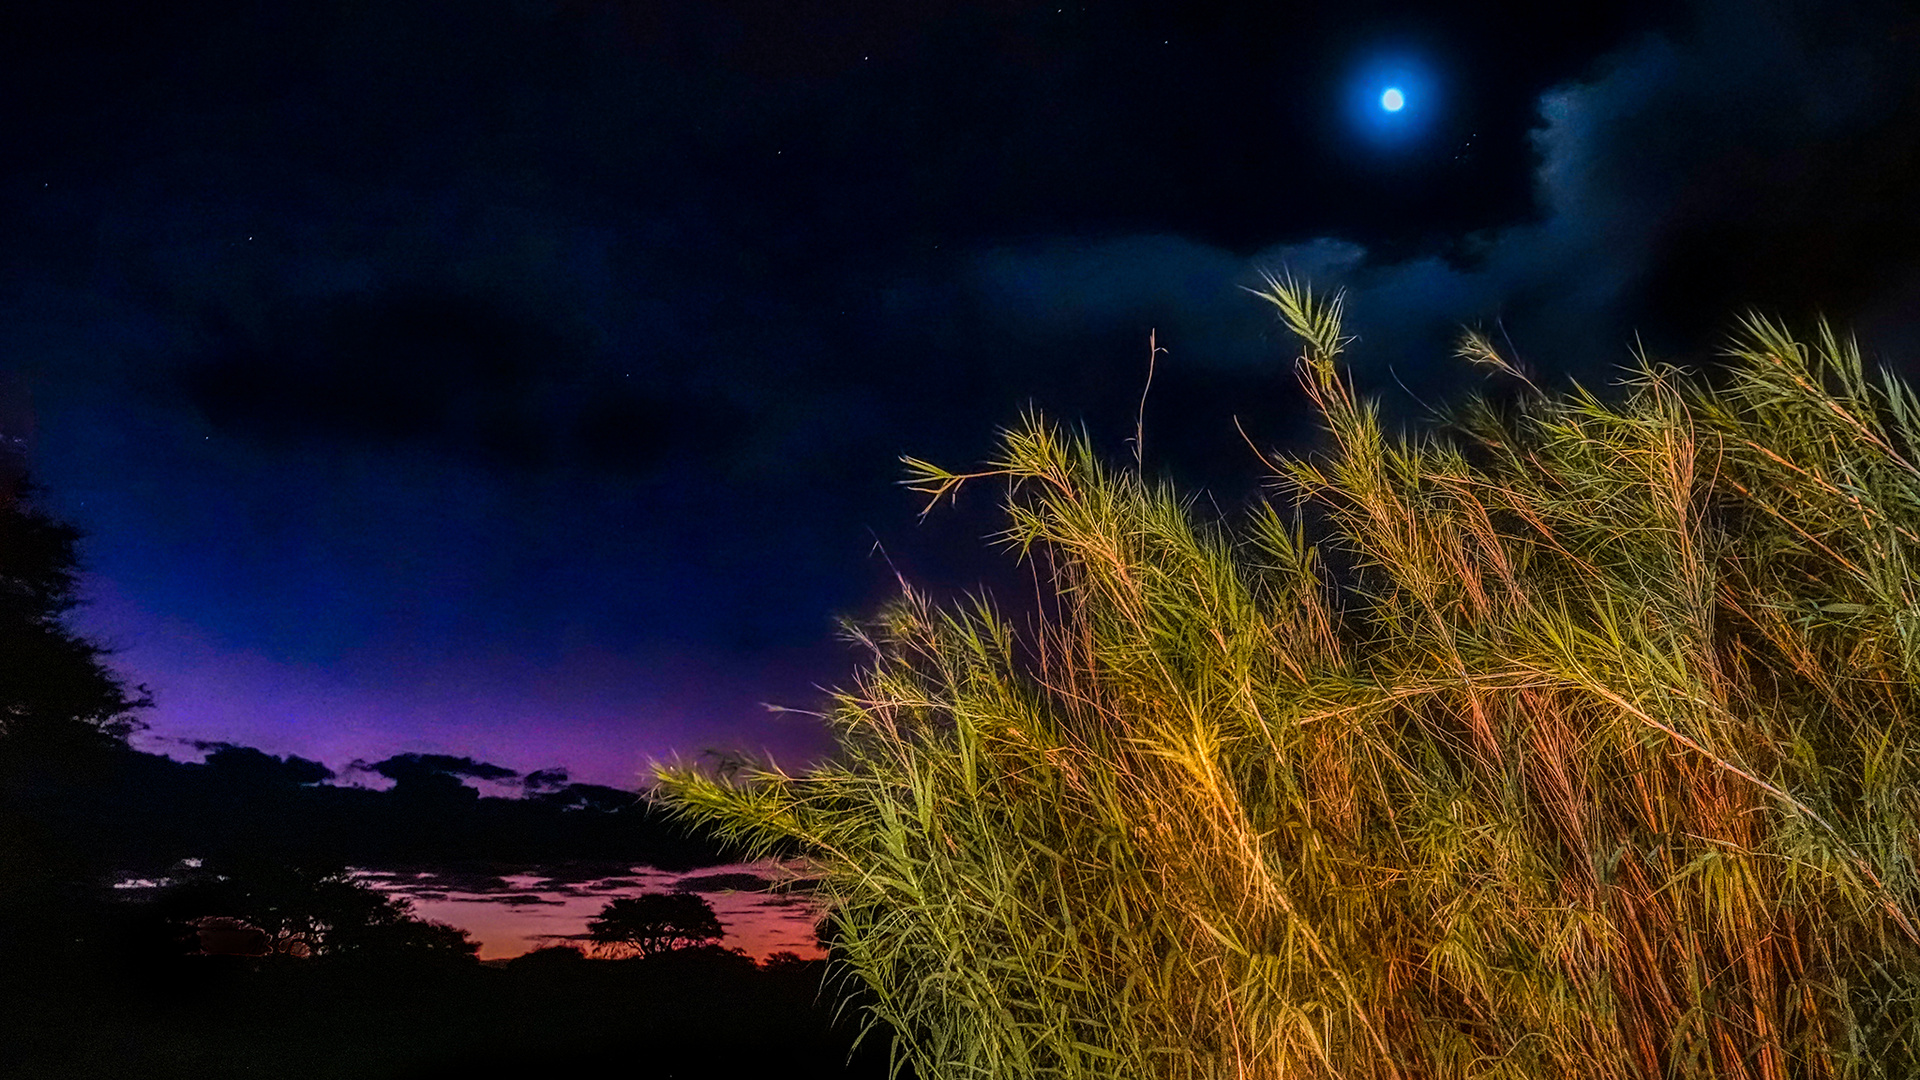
{"type": "Point", "coordinates": [306, 912]}
{"type": "Point", "coordinates": [53, 683]}
{"type": "Point", "coordinates": [654, 923]}
{"type": "Point", "coordinates": [64, 717]}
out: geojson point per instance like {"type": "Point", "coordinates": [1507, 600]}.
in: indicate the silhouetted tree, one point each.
{"type": "Point", "coordinates": [53, 683]}
{"type": "Point", "coordinates": [401, 935]}
{"type": "Point", "coordinates": [300, 912]}
{"type": "Point", "coordinates": [63, 720]}
{"type": "Point", "coordinates": [549, 957]}
{"type": "Point", "coordinates": [654, 923]}
{"type": "Point", "coordinates": [785, 961]}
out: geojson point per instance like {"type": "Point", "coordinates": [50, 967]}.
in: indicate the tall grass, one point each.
{"type": "Point", "coordinates": [1575, 741]}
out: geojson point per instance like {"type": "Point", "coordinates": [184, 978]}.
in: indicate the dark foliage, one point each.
{"type": "Point", "coordinates": [261, 908]}
{"type": "Point", "coordinates": [654, 923]}
{"type": "Point", "coordinates": [54, 686]}
{"type": "Point", "coordinates": [550, 956]}
{"type": "Point", "coordinates": [692, 1013]}
{"type": "Point", "coordinates": [62, 713]}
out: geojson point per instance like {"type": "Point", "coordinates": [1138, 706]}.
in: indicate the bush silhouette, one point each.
{"type": "Point", "coordinates": [654, 923]}
{"type": "Point", "coordinates": [549, 958]}
{"type": "Point", "coordinates": [263, 908]}
{"type": "Point", "coordinates": [55, 687]}
{"type": "Point", "coordinates": [1577, 740]}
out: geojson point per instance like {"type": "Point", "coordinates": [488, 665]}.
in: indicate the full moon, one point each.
{"type": "Point", "coordinates": [1393, 100]}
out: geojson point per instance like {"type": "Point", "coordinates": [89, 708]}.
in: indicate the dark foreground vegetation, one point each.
{"type": "Point", "coordinates": [700, 1013]}
{"type": "Point", "coordinates": [1579, 740]}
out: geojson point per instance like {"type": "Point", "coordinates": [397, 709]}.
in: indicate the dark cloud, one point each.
{"type": "Point", "coordinates": [140, 813]}
{"type": "Point", "coordinates": [544, 780]}
{"type": "Point", "coordinates": [521, 900]}
{"type": "Point", "coordinates": [462, 374]}
{"type": "Point", "coordinates": [444, 880]}
{"type": "Point", "coordinates": [713, 883]}
{"type": "Point", "coordinates": [243, 765]}
{"type": "Point", "coordinates": [1767, 158]}
{"type": "Point", "coordinates": [1763, 156]}
{"type": "Point", "coordinates": [393, 368]}
{"type": "Point", "coordinates": [434, 773]}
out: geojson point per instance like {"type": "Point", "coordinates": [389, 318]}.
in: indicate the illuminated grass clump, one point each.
{"type": "Point", "coordinates": [1578, 741]}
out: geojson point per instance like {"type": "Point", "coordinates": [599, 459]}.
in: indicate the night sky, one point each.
{"type": "Point", "coordinates": [527, 380]}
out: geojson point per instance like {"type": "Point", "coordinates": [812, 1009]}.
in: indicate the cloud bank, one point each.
{"type": "Point", "coordinates": [1765, 156]}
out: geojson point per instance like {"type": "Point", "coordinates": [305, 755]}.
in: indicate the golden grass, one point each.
{"type": "Point", "coordinates": [1575, 741]}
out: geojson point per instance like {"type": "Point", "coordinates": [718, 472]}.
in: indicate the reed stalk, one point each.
{"type": "Point", "coordinates": [1574, 740]}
